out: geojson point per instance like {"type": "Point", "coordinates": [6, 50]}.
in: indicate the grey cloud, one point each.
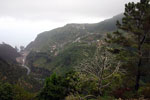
{"type": "Point", "coordinates": [22, 20]}
{"type": "Point", "coordinates": [59, 9]}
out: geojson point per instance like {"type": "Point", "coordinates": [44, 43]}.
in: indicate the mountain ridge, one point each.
{"type": "Point", "coordinates": [8, 53]}
{"type": "Point", "coordinates": [62, 48]}
{"type": "Point", "coordinates": [62, 35]}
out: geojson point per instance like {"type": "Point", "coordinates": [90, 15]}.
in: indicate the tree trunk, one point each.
{"type": "Point", "coordinates": [99, 87]}
{"type": "Point", "coordinates": [138, 76]}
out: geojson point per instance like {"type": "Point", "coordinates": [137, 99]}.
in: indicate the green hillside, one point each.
{"type": "Point", "coordinates": [66, 60]}
{"type": "Point", "coordinates": [10, 72]}
{"type": "Point", "coordinates": [8, 53]}
{"type": "Point", "coordinates": [109, 60]}
{"type": "Point", "coordinates": [61, 49]}
{"type": "Point", "coordinates": [57, 38]}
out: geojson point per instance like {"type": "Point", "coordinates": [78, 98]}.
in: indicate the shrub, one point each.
{"type": "Point", "coordinates": [6, 91]}
{"type": "Point", "coordinates": [145, 91]}
{"type": "Point", "coordinates": [72, 97]}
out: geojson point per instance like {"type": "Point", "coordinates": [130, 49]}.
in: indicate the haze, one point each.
{"type": "Point", "coordinates": [22, 20]}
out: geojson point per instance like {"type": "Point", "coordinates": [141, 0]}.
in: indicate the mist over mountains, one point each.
{"type": "Point", "coordinates": [52, 47]}
{"type": "Point", "coordinates": [107, 60]}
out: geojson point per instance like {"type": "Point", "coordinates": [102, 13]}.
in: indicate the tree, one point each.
{"type": "Point", "coordinates": [6, 91]}
{"type": "Point", "coordinates": [101, 67]}
{"type": "Point", "coordinates": [53, 89]}
{"type": "Point", "coordinates": [132, 38]}
{"type": "Point", "coordinates": [21, 94]}
{"type": "Point", "coordinates": [58, 87]}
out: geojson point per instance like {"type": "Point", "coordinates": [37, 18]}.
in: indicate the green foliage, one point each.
{"type": "Point", "coordinates": [100, 70]}
{"type": "Point", "coordinates": [106, 98]}
{"type": "Point", "coordinates": [88, 87]}
{"type": "Point", "coordinates": [130, 42]}
{"type": "Point", "coordinates": [10, 72]}
{"type": "Point", "coordinates": [144, 91]}
{"type": "Point", "coordinates": [65, 61]}
{"type": "Point", "coordinates": [6, 92]}
{"type": "Point", "coordinates": [53, 89]}
{"type": "Point", "coordinates": [57, 51]}
{"type": "Point", "coordinates": [71, 81]}
{"type": "Point", "coordinates": [58, 87]}
{"type": "Point", "coordinates": [72, 97]}
{"type": "Point", "coordinates": [71, 56]}
{"type": "Point", "coordinates": [38, 59]}
{"type": "Point", "coordinates": [21, 94]}
{"type": "Point", "coordinates": [14, 92]}
{"type": "Point", "coordinates": [61, 36]}
{"type": "Point", "coordinates": [29, 83]}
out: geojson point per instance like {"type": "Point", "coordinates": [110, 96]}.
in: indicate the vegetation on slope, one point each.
{"type": "Point", "coordinates": [60, 36]}
{"type": "Point", "coordinates": [10, 72]}
{"type": "Point", "coordinates": [66, 59]}
{"type": "Point", "coordinates": [8, 53]}
{"type": "Point", "coordinates": [115, 68]}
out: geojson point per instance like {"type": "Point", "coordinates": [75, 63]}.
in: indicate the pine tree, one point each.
{"type": "Point", "coordinates": [132, 39]}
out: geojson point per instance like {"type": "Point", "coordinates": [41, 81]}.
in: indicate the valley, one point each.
{"type": "Point", "coordinates": [56, 51]}
{"type": "Point", "coordinates": [22, 59]}
{"type": "Point", "coordinates": [28, 69]}
{"type": "Point", "coordinates": [108, 60]}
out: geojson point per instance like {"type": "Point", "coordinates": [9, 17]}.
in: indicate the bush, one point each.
{"type": "Point", "coordinates": [145, 91]}
{"type": "Point", "coordinates": [53, 89]}
{"type": "Point", "coordinates": [124, 93]}
{"type": "Point", "coordinates": [21, 94]}
{"type": "Point", "coordinates": [72, 97]}
{"type": "Point", "coordinates": [6, 91]}
{"type": "Point", "coordinates": [58, 87]}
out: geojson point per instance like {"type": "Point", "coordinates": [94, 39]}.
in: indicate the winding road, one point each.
{"type": "Point", "coordinates": [23, 65]}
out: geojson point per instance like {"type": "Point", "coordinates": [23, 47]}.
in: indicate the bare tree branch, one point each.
{"type": "Point", "coordinates": [102, 66]}
{"type": "Point", "coordinates": [115, 71]}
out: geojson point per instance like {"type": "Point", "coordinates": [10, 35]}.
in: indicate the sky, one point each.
{"type": "Point", "coordinates": [22, 20]}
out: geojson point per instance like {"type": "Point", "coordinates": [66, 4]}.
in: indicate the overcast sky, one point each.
{"type": "Point", "coordinates": [22, 20]}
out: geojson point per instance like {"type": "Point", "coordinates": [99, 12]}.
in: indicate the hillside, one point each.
{"type": "Point", "coordinates": [57, 38]}
{"type": "Point", "coordinates": [108, 60]}
{"type": "Point", "coordinates": [8, 53]}
{"type": "Point", "coordinates": [66, 60]}
{"type": "Point", "coordinates": [62, 49]}
{"type": "Point", "coordinates": [10, 72]}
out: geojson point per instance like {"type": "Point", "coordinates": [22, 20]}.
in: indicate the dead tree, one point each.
{"type": "Point", "coordinates": [101, 67]}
